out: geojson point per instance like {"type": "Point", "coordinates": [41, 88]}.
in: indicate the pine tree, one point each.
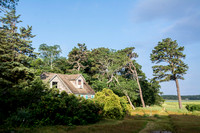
{"type": "Point", "coordinates": [16, 50]}
{"type": "Point", "coordinates": [15, 54]}
{"type": "Point", "coordinates": [171, 54]}
{"type": "Point", "coordinates": [7, 4]}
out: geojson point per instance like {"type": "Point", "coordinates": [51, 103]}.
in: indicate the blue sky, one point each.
{"type": "Point", "coordinates": [118, 24]}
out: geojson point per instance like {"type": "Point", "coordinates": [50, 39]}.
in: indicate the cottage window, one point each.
{"type": "Point", "coordinates": [79, 82]}
{"type": "Point", "coordinates": [55, 84]}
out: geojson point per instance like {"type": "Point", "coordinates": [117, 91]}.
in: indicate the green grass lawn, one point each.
{"type": "Point", "coordinates": [143, 120]}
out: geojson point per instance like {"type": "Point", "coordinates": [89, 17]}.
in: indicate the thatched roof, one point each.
{"type": "Point", "coordinates": [46, 77]}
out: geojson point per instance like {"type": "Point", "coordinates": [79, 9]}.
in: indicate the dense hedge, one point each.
{"type": "Point", "coordinates": [193, 107]}
{"type": "Point", "coordinates": [57, 109]}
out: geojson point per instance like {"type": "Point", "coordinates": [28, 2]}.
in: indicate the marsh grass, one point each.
{"type": "Point", "coordinates": [186, 123]}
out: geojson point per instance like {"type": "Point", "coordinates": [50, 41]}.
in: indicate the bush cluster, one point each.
{"type": "Point", "coordinates": [57, 109]}
{"type": "Point", "coordinates": [64, 109]}
{"type": "Point", "coordinates": [114, 107]}
{"type": "Point", "coordinates": [193, 107]}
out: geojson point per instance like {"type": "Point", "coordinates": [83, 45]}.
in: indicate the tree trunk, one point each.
{"type": "Point", "coordinates": [178, 94]}
{"type": "Point", "coordinates": [79, 67]}
{"type": "Point", "coordinates": [140, 90]}
{"type": "Point", "coordinates": [111, 78]}
{"type": "Point", "coordinates": [130, 101]}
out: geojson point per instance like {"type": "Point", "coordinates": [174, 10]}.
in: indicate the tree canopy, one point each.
{"type": "Point", "coordinates": [49, 54]}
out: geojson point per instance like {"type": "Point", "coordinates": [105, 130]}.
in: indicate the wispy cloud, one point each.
{"type": "Point", "coordinates": [187, 29]}
{"type": "Point", "coordinates": [180, 17]}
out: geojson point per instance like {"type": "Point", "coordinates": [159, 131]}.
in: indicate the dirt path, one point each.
{"type": "Point", "coordinates": [159, 124]}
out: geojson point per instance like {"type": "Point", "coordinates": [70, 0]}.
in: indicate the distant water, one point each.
{"type": "Point", "coordinates": [183, 101]}
{"type": "Point", "coordinates": [171, 101]}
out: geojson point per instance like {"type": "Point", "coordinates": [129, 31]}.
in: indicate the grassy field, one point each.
{"type": "Point", "coordinates": [155, 118]}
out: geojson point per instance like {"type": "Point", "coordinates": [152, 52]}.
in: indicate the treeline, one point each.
{"type": "Point", "coordinates": [186, 97]}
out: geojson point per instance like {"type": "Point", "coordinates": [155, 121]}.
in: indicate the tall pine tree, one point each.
{"type": "Point", "coordinates": [173, 68]}
{"type": "Point", "coordinates": [15, 54]}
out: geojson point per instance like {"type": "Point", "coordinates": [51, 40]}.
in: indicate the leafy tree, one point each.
{"type": "Point", "coordinates": [127, 87]}
{"type": "Point", "coordinates": [78, 57]}
{"type": "Point", "coordinates": [151, 93]}
{"type": "Point", "coordinates": [173, 68]}
{"type": "Point", "coordinates": [131, 68]}
{"type": "Point", "coordinates": [99, 59]}
{"type": "Point", "coordinates": [62, 64]}
{"type": "Point", "coordinates": [49, 53]}
{"type": "Point", "coordinates": [109, 65]}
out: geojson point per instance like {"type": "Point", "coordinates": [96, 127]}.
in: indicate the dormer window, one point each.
{"type": "Point", "coordinates": [79, 82]}
{"type": "Point", "coordinates": [55, 84]}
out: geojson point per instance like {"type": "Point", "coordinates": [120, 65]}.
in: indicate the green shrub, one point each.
{"type": "Point", "coordinates": [21, 118]}
{"type": "Point", "coordinates": [193, 107]}
{"type": "Point", "coordinates": [64, 109]}
{"type": "Point", "coordinates": [114, 107]}
{"type": "Point", "coordinates": [156, 115]}
{"type": "Point", "coordinates": [56, 108]}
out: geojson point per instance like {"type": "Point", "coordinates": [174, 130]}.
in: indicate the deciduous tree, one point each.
{"type": "Point", "coordinates": [49, 53]}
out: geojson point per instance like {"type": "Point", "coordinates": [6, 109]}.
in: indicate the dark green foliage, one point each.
{"type": "Point", "coordinates": [192, 107]}
{"type": "Point", "coordinates": [63, 109]}
{"type": "Point", "coordinates": [14, 99]}
{"type": "Point", "coordinates": [168, 52]}
{"type": "Point", "coordinates": [16, 79]}
{"type": "Point", "coordinates": [56, 108]}
{"type": "Point", "coordinates": [78, 57]}
{"type": "Point", "coordinates": [152, 94]}
{"type": "Point", "coordinates": [20, 118]}
{"type": "Point", "coordinates": [98, 85]}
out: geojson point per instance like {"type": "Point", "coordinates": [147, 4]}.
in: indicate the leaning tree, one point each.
{"type": "Point", "coordinates": [169, 55]}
